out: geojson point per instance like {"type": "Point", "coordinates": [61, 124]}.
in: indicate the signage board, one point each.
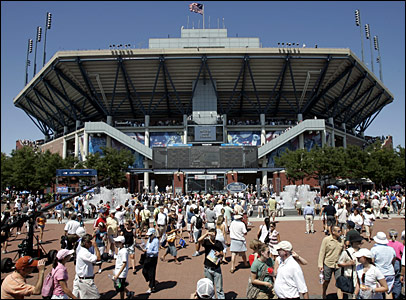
{"type": "Point", "coordinates": [203, 177]}
{"type": "Point", "coordinates": [76, 172]}
{"type": "Point", "coordinates": [62, 189]}
{"type": "Point", "coordinates": [236, 187]}
{"type": "Point", "coordinates": [205, 133]}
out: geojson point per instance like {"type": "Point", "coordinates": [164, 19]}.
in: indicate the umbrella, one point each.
{"type": "Point", "coordinates": [332, 187]}
{"type": "Point", "coordinates": [396, 187]}
{"type": "Point", "coordinates": [24, 192]}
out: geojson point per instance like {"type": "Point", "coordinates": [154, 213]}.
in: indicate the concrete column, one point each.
{"type": "Point", "coordinates": [110, 120]}
{"type": "Point", "coordinates": [77, 124]}
{"type": "Point", "coordinates": [264, 173]}
{"type": "Point", "coordinates": [332, 139]}
{"type": "Point", "coordinates": [323, 137]}
{"type": "Point", "coordinates": [362, 134]}
{"type": "Point", "coordinates": [85, 145]}
{"type": "Point", "coordinates": [301, 136]}
{"type": "Point", "coordinates": [146, 174]}
{"type": "Point", "coordinates": [65, 130]}
{"type": "Point", "coordinates": [185, 129]}
{"type": "Point", "coordinates": [146, 130]}
{"type": "Point", "coordinates": [345, 135]}
{"type": "Point", "coordinates": [263, 132]}
{"type": "Point", "coordinates": [178, 181]}
{"type": "Point", "coordinates": [64, 148]}
{"type": "Point", "coordinates": [76, 144]}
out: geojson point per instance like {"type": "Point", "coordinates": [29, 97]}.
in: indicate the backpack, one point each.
{"type": "Point", "coordinates": [199, 222]}
{"type": "Point", "coordinates": [48, 286]}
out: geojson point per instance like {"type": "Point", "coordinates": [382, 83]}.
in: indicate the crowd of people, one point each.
{"type": "Point", "coordinates": [218, 224]}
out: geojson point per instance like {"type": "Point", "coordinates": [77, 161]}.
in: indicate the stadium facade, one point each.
{"type": "Point", "coordinates": [205, 109]}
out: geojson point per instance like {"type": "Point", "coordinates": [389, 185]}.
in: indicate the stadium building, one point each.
{"type": "Point", "coordinates": [205, 109]}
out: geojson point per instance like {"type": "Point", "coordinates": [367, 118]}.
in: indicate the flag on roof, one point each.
{"type": "Point", "coordinates": [196, 7]}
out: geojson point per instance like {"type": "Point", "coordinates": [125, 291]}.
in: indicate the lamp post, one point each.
{"type": "Point", "coordinates": [27, 62]}
{"type": "Point", "coordinates": [39, 31]}
{"type": "Point", "coordinates": [368, 36]}
{"type": "Point", "coordinates": [379, 59]}
{"type": "Point", "coordinates": [47, 26]}
{"type": "Point", "coordinates": [358, 23]}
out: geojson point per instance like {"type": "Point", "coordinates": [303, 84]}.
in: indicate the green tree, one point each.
{"type": "Point", "coordinates": [6, 171]}
{"type": "Point", "coordinates": [113, 164]}
{"type": "Point", "coordinates": [46, 168]}
{"type": "Point", "coordinates": [23, 163]}
{"type": "Point", "coordinates": [296, 163]}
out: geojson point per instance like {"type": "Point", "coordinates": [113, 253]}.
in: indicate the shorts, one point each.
{"type": "Point", "coordinates": [144, 223]}
{"type": "Point", "coordinates": [390, 280]}
{"type": "Point", "coordinates": [342, 225]}
{"type": "Point", "coordinates": [368, 230]}
{"type": "Point", "coordinates": [130, 249]}
{"type": "Point", "coordinates": [172, 249]}
{"type": "Point", "coordinates": [328, 272]}
{"type": "Point", "coordinates": [238, 246]}
{"type": "Point", "coordinates": [188, 226]}
{"type": "Point", "coordinates": [196, 235]}
{"type": "Point", "coordinates": [42, 226]}
{"type": "Point", "coordinates": [272, 213]}
{"type": "Point", "coordinates": [331, 220]}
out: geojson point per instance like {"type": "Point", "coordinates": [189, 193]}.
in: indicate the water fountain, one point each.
{"type": "Point", "coordinates": [116, 196]}
{"type": "Point", "coordinates": [302, 192]}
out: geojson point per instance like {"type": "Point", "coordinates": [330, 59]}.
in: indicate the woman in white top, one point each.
{"type": "Point", "coordinates": [369, 219]}
{"type": "Point", "coordinates": [221, 235]}
{"type": "Point", "coordinates": [263, 232]}
{"type": "Point", "coordinates": [368, 277]}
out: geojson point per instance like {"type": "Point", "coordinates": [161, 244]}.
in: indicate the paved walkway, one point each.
{"type": "Point", "coordinates": [179, 281]}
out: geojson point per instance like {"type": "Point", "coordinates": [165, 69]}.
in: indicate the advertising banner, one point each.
{"type": "Point", "coordinates": [205, 133]}
{"type": "Point", "coordinates": [138, 136]}
{"type": "Point", "coordinates": [163, 139]}
{"type": "Point", "coordinates": [236, 187]}
{"type": "Point", "coordinates": [252, 138]}
{"type": "Point", "coordinates": [138, 158]}
{"type": "Point", "coordinates": [95, 144]}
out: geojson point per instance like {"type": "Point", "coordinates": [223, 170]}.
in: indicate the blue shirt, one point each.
{"type": "Point", "coordinates": [153, 247]}
{"type": "Point", "coordinates": [308, 210]}
{"type": "Point", "coordinates": [383, 255]}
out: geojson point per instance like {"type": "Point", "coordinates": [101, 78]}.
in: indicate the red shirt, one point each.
{"type": "Point", "coordinates": [96, 224]}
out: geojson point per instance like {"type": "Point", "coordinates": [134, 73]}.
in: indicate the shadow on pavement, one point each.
{"type": "Point", "coordinates": [230, 295]}
{"type": "Point", "coordinates": [163, 285]}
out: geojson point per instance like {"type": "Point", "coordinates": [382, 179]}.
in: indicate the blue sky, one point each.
{"type": "Point", "coordinates": [95, 25]}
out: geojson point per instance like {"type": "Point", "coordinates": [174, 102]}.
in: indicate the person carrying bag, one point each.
{"type": "Point", "coordinates": [344, 283]}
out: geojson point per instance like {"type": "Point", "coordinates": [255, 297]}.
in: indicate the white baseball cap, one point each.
{"type": "Point", "coordinates": [363, 252]}
{"type": "Point", "coordinates": [284, 245]}
{"type": "Point", "coordinates": [119, 239]}
{"type": "Point", "coordinates": [205, 288]}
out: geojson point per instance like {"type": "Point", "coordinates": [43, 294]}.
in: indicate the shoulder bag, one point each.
{"type": "Point", "coordinates": [346, 284]}
{"type": "Point", "coordinates": [252, 290]}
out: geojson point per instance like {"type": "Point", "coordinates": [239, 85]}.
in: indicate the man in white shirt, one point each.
{"type": "Point", "coordinates": [279, 207]}
{"type": "Point", "coordinates": [83, 284]}
{"type": "Point", "coordinates": [289, 282]}
{"type": "Point", "coordinates": [119, 215]}
{"type": "Point", "coordinates": [70, 231]}
{"type": "Point", "coordinates": [161, 222]}
{"type": "Point", "coordinates": [342, 215]}
{"type": "Point", "coordinates": [375, 204]}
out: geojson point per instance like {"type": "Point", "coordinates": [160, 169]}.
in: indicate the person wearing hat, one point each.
{"type": "Point", "coordinates": [369, 220]}
{"type": "Point", "coordinates": [218, 207]}
{"type": "Point", "coordinates": [151, 259]}
{"type": "Point", "coordinates": [112, 232]}
{"type": "Point", "coordinates": [399, 249]}
{"type": "Point", "coordinates": [119, 215]}
{"type": "Point", "coordinates": [121, 267]}
{"type": "Point", "coordinates": [100, 236]}
{"type": "Point", "coordinates": [330, 251]}
{"type": "Point", "coordinates": [308, 214]}
{"type": "Point", "coordinates": [204, 289]}
{"type": "Point", "coordinates": [351, 232]}
{"type": "Point", "coordinates": [14, 286]}
{"type": "Point", "coordinates": [367, 277]}
{"type": "Point", "coordinates": [384, 258]}
{"type": "Point", "coordinates": [348, 262]}
{"type": "Point", "coordinates": [272, 208]}
{"type": "Point", "coordinates": [83, 284]}
{"type": "Point", "coordinates": [289, 281]}
{"type": "Point", "coordinates": [60, 275]}
{"type": "Point", "coordinates": [238, 244]}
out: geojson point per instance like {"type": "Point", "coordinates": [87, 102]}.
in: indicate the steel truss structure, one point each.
{"type": "Point", "coordinates": [129, 84]}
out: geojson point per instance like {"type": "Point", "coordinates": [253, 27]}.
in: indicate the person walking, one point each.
{"type": "Point", "coordinates": [342, 216]}
{"type": "Point", "coordinates": [263, 231]}
{"type": "Point", "coordinates": [368, 275]}
{"type": "Point", "coordinates": [171, 235]}
{"type": "Point", "coordinates": [356, 217]}
{"type": "Point", "coordinates": [14, 286]}
{"type": "Point", "coordinates": [100, 238]}
{"type": "Point", "coordinates": [121, 268]}
{"type": "Point", "coordinates": [274, 237]}
{"type": "Point", "coordinates": [399, 249]}
{"type": "Point", "coordinates": [384, 258]}
{"type": "Point", "coordinates": [196, 223]}
{"type": "Point", "coordinates": [330, 251]}
{"type": "Point", "coordinates": [261, 273]}
{"type": "Point", "coordinates": [41, 220]}
{"type": "Point", "coordinates": [60, 275]}
{"type": "Point", "coordinates": [289, 281]}
{"type": "Point", "coordinates": [70, 231]}
{"type": "Point", "coordinates": [375, 204]}
{"type": "Point", "coordinates": [213, 251]}
{"type": "Point", "coordinates": [210, 217]}
{"type": "Point", "coordinates": [238, 244]}
{"type": "Point", "coordinates": [272, 208]}
{"type": "Point", "coordinates": [129, 234]}
{"type": "Point", "coordinates": [112, 232]}
{"type": "Point", "coordinates": [308, 214]}
{"type": "Point", "coordinates": [330, 212]}
{"type": "Point", "coordinates": [151, 260]}
{"type": "Point", "coordinates": [369, 220]}
{"type": "Point", "coordinates": [221, 235]}
{"type": "Point", "coordinates": [348, 262]}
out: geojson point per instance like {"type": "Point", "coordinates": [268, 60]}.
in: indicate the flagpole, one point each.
{"type": "Point", "coordinates": [203, 16]}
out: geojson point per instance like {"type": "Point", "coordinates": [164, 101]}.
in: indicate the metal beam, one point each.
{"type": "Point", "coordinates": [253, 84]}
{"type": "Point", "coordinates": [315, 91]}
{"type": "Point", "coordinates": [370, 110]}
{"type": "Point", "coordinates": [281, 75]}
{"type": "Point", "coordinates": [190, 109]}
{"type": "Point", "coordinates": [82, 92]}
{"type": "Point", "coordinates": [167, 97]}
{"type": "Point", "coordinates": [90, 87]}
{"type": "Point", "coordinates": [229, 107]}
{"type": "Point", "coordinates": [180, 107]}
{"type": "Point", "coordinates": [376, 98]}
{"type": "Point", "coordinates": [40, 129]}
{"type": "Point", "coordinates": [242, 93]}
{"type": "Point", "coordinates": [370, 122]}
{"type": "Point", "coordinates": [71, 103]}
{"type": "Point", "coordinates": [141, 106]}
{"type": "Point", "coordinates": [278, 97]}
{"type": "Point", "coordinates": [46, 103]}
{"type": "Point", "coordinates": [358, 100]}
{"type": "Point", "coordinates": [115, 86]}
{"type": "Point", "coordinates": [52, 101]}
{"type": "Point", "coordinates": [212, 82]}
{"type": "Point", "coordinates": [342, 93]}
{"type": "Point", "coordinates": [154, 89]}
{"type": "Point", "coordinates": [127, 88]}
{"type": "Point", "coordinates": [31, 103]}
{"type": "Point", "coordinates": [294, 86]}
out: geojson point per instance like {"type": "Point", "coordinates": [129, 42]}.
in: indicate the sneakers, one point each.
{"type": "Point", "coordinates": [115, 256]}
{"type": "Point", "coordinates": [306, 232]}
{"type": "Point", "coordinates": [149, 291]}
{"type": "Point", "coordinates": [4, 251]}
{"type": "Point", "coordinates": [196, 254]}
{"type": "Point", "coordinates": [130, 295]}
{"type": "Point", "coordinates": [100, 270]}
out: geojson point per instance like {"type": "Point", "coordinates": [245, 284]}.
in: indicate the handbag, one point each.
{"type": "Point", "coordinates": [344, 283]}
{"type": "Point", "coordinates": [252, 290]}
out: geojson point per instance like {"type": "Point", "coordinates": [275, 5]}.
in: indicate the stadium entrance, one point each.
{"type": "Point", "coordinates": [205, 183]}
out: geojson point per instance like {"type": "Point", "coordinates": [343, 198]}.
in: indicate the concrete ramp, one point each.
{"type": "Point", "coordinates": [310, 124]}
{"type": "Point", "coordinates": [101, 127]}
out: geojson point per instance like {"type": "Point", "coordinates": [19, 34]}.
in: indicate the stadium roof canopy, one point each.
{"type": "Point", "coordinates": [130, 83]}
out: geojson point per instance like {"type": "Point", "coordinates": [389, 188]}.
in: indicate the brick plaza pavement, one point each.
{"type": "Point", "coordinates": [179, 281]}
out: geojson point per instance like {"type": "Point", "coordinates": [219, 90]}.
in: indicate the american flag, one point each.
{"type": "Point", "coordinates": [196, 7]}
